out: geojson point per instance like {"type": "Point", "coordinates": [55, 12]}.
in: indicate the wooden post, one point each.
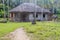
{"type": "Point", "coordinates": [34, 20]}
{"type": "Point", "coordinates": [13, 16]}
{"type": "Point", "coordinates": [10, 15]}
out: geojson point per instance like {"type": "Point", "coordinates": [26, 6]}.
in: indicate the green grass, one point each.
{"type": "Point", "coordinates": [44, 31]}
{"type": "Point", "coordinates": [6, 28]}
{"type": "Point", "coordinates": [40, 31]}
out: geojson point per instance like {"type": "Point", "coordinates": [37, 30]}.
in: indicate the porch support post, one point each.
{"type": "Point", "coordinates": [13, 16]}
{"type": "Point", "coordinates": [34, 20]}
{"type": "Point", "coordinates": [10, 15]}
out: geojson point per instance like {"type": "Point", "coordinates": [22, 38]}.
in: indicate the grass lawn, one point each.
{"type": "Point", "coordinates": [5, 28]}
{"type": "Point", "coordinates": [40, 31]}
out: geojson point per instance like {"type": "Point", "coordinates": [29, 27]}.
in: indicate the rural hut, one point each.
{"type": "Point", "coordinates": [25, 11]}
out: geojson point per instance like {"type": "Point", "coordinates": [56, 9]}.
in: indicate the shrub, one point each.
{"type": "Point", "coordinates": [3, 21]}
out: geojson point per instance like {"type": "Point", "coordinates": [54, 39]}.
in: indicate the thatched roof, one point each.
{"type": "Point", "coordinates": [29, 7]}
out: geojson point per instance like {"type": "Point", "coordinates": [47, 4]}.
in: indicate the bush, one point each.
{"type": "Point", "coordinates": [3, 21]}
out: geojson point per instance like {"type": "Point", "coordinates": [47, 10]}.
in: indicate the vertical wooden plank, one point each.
{"type": "Point", "coordinates": [13, 16]}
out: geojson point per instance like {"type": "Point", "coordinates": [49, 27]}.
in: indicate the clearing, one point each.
{"type": "Point", "coordinates": [40, 31]}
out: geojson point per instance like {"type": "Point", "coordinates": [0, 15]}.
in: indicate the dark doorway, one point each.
{"type": "Point", "coordinates": [23, 17]}
{"type": "Point", "coordinates": [36, 15]}
{"type": "Point", "coordinates": [43, 15]}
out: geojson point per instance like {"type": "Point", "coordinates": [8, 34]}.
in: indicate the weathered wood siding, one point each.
{"type": "Point", "coordinates": [50, 17]}
{"type": "Point", "coordinates": [17, 17]}
{"type": "Point", "coordinates": [31, 17]}
{"type": "Point", "coordinates": [40, 17]}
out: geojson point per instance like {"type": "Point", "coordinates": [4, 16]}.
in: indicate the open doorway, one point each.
{"type": "Point", "coordinates": [23, 17]}
{"type": "Point", "coordinates": [43, 16]}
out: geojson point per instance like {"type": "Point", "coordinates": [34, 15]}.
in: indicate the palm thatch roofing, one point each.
{"type": "Point", "coordinates": [28, 7]}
